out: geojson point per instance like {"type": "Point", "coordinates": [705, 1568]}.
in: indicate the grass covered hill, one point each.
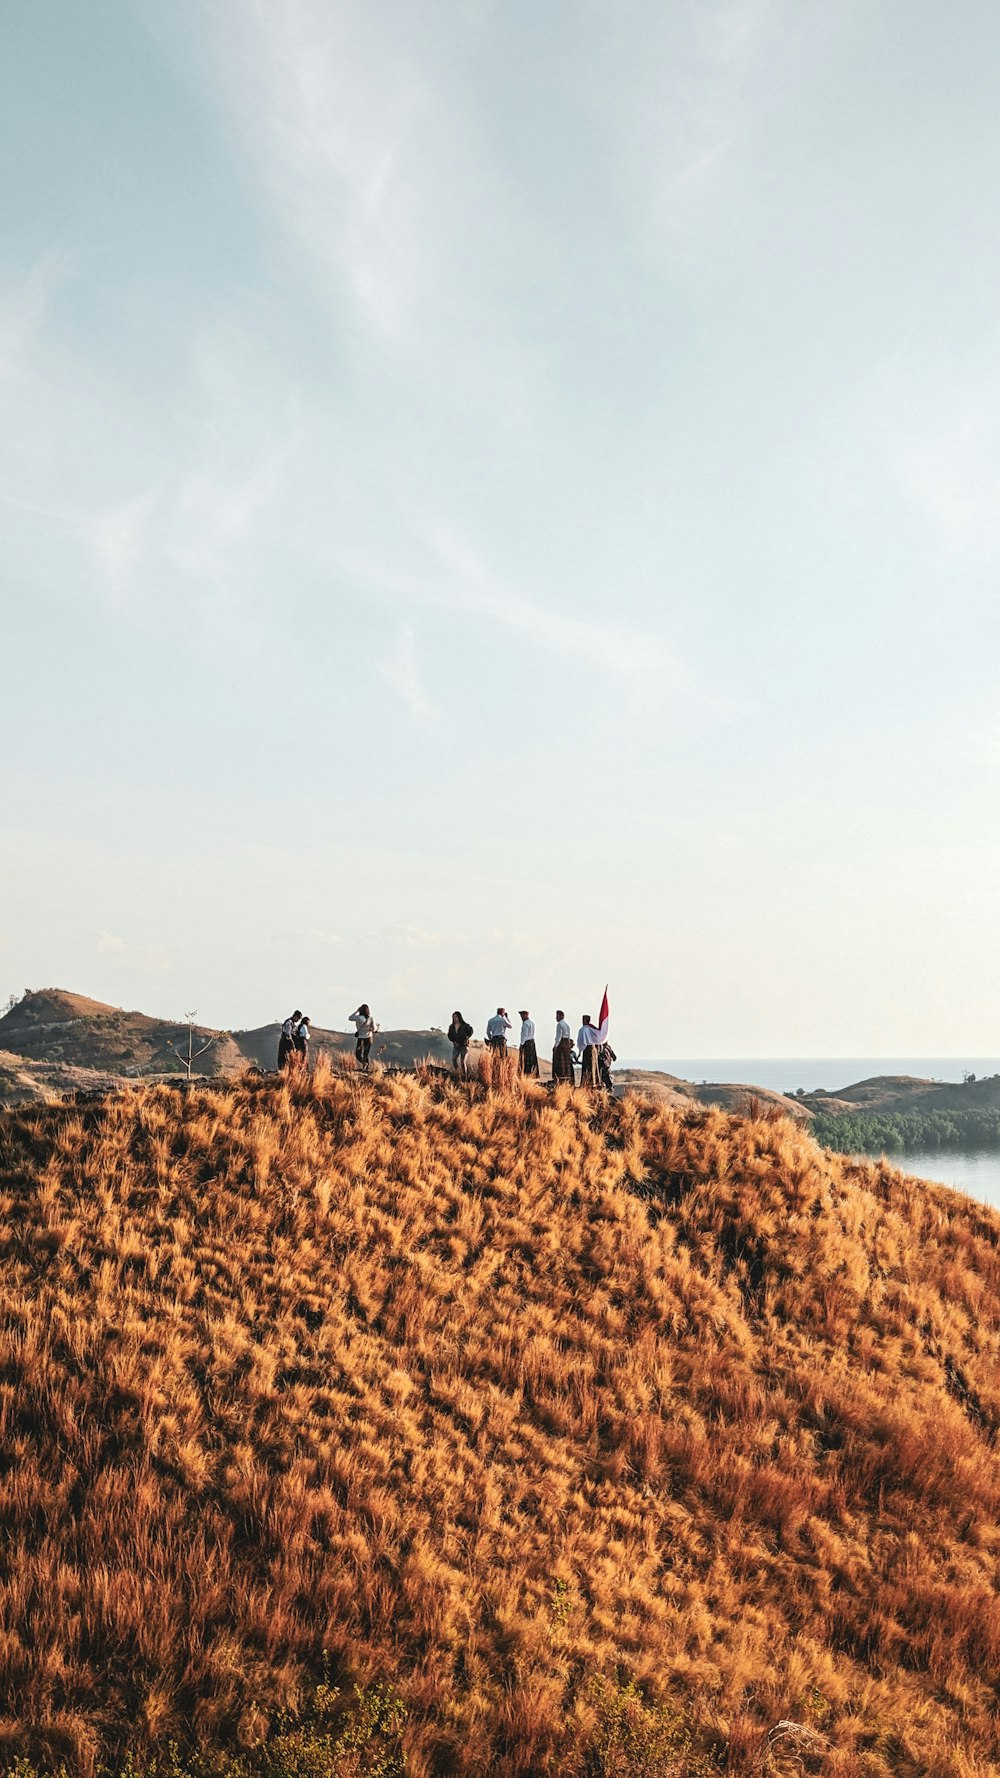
{"type": "Point", "coordinates": [610, 1436]}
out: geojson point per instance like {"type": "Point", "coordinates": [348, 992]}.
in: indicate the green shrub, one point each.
{"type": "Point", "coordinates": [333, 1738]}
{"type": "Point", "coordinates": [637, 1739]}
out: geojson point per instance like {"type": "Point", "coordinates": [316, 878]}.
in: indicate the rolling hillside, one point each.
{"type": "Point", "coordinates": [611, 1437]}
{"type": "Point", "coordinates": [53, 1041]}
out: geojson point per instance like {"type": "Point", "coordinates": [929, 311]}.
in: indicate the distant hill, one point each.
{"type": "Point", "coordinates": [66, 1042]}
{"type": "Point", "coordinates": [670, 1089]}
{"type": "Point", "coordinates": [617, 1439]}
{"type": "Point", "coordinates": [905, 1092]}
{"type": "Point", "coordinates": [69, 1031]}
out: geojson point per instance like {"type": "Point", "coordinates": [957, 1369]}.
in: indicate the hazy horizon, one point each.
{"type": "Point", "coordinates": [499, 500]}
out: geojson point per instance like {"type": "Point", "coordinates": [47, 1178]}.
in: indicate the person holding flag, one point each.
{"type": "Point", "coordinates": [589, 1039]}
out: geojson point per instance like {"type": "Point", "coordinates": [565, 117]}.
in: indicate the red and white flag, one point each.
{"type": "Point", "coordinates": [602, 1023]}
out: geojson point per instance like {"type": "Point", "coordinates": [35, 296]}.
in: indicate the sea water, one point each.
{"type": "Point", "coordinates": [975, 1171]}
{"type": "Point", "coordinates": [786, 1074]}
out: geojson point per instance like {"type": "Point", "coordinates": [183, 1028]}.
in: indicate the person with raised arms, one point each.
{"type": "Point", "coordinates": [496, 1031]}
{"type": "Point", "coordinates": [365, 1029]}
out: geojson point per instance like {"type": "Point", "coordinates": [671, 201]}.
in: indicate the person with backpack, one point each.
{"type": "Point", "coordinates": [459, 1036]}
{"type": "Point", "coordinates": [365, 1029]}
{"type": "Point", "coordinates": [286, 1039]}
{"type": "Point", "coordinates": [605, 1057]}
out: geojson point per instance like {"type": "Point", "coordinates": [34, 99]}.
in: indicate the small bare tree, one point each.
{"type": "Point", "coordinates": [188, 1061]}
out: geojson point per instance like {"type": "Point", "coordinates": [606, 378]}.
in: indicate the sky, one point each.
{"type": "Point", "coordinates": [497, 498]}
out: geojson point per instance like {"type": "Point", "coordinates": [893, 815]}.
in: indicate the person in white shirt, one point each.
{"type": "Point", "coordinates": [286, 1040]}
{"type": "Point", "coordinates": [302, 1036]}
{"type": "Point", "coordinates": [588, 1039]}
{"type": "Point", "coordinates": [528, 1052]}
{"type": "Point", "coordinates": [562, 1050]}
{"type": "Point", "coordinates": [365, 1029]}
{"type": "Point", "coordinates": [496, 1031]}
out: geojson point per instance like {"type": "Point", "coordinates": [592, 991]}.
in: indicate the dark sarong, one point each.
{"type": "Point", "coordinates": [286, 1048]}
{"type": "Point", "coordinates": [498, 1045]}
{"type": "Point", "coordinates": [587, 1059]}
{"type": "Point", "coordinates": [529, 1057]}
{"type": "Point", "coordinates": [562, 1061]}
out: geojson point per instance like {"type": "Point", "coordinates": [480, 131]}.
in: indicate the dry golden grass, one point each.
{"type": "Point", "coordinates": [489, 1394]}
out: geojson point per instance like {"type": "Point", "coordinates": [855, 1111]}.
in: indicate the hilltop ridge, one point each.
{"type": "Point", "coordinates": [495, 1396]}
{"type": "Point", "coordinates": [52, 1041]}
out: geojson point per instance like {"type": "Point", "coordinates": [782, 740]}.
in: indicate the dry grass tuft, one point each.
{"type": "Point", "coordinates": [616, 1440]}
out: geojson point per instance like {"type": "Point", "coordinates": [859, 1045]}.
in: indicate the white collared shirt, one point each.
{"type": "Point", "coordinates": [562, 1030]}
{"type": "Point", "coordinates": [588, 1037]}
{"type": "Point", "coordinates": [527, 1030]}
{"type": "Point", "coordinates": [497, 1025]}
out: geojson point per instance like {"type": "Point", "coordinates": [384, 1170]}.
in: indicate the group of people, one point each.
{"type": "Point", "coordinates": [293, 1040]}
{"type": "Point", "coordinates": [592, 1054]}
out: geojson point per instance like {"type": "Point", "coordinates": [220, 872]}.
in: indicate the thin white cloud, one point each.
{"type": "Point", "coordinates": [463, 583]}
{"type": "Point", "coordinates": [401, 670]}
{"type": "Point", "coordinates": [23, 308]}
{"type": "Point", "coordinates": [954, 477]}
{"type": "Point", "coordinates": [678, 114]}
{"type": "Point", "coordinates": [146, 959]}
{"type": "Point", "coordinates": [118, 538]}
{"type": "Point", "coordinates": [611, 647]}
{"type": "Point", "coordinates": [413, 937]}
{"type": "Point", "coordinates": [328, 111]}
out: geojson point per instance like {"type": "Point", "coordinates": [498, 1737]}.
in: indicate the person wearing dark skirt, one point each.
{"type": "Point", "coordinates": [562, 1050]}
{"type": "Point", "coordinates": [588, 1042]}
{"type": "Point", "coordinates": [286, 1041]}
{"type": "Point", "coordinates": [528, 1051]}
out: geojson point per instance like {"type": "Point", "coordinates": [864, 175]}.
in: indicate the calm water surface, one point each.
{"type": "Point", "coordinates": [977, 1172]}
{"type": "Point", "coordinates": [782, 1074]}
